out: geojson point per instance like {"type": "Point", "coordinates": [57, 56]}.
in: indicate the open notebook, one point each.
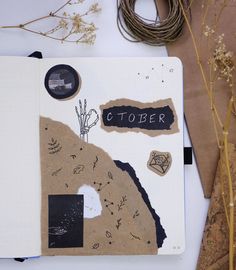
{"type": "Point", "coordinates": [91, 156]}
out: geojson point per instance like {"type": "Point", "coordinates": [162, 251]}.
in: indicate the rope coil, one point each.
{"type": "Point", "coordinates": [152, 32]}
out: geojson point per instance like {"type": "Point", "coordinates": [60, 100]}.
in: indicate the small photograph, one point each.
{"type": "Point", "coordinates": [62, 82]}
{"type": "Point", "coordinates": [65, 228]}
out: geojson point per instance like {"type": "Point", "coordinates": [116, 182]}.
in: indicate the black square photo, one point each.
{"type": "Point", "coordinates": [65, 221]}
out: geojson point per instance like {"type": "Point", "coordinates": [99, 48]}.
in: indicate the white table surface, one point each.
{"type": "Point", "coordinates": [109, 43]}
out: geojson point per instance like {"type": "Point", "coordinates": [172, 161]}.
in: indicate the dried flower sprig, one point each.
{"type": "Point", "coordinates": [68, 27]}
{"type": "Point", "coordinates": [221, 65]}
{"type": "Point", "coordinates": [223, 61]}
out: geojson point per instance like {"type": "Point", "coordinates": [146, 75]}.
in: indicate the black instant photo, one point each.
{"type": "Point", "coordinates": [62, 81]}
{"type": "Point", "coordinates": [65, 221]}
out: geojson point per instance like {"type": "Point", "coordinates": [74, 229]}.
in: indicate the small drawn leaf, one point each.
{"type": "Point", "coordinates": [95, 246]}
{"type": "Point", "coordinates": [108, 234]}
{"type": "Point", "coordinates": [110, 175]}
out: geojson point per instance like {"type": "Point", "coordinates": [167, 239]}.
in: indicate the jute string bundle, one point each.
{"type": "Point", "coordinates": [153, 32]}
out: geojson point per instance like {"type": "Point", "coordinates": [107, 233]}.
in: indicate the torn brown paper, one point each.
{"type": "Point", "coordinates": [125, 225]}
{"type": "Point", "coordinates": [214, 248]}
{"type": "Point", "coordinates": [196, 101]}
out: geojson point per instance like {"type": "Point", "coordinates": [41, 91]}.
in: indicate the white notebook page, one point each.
{"type": "Point", "coordinates": [143, 80]}
{"type": "Point", "coordinates": [19, 158]}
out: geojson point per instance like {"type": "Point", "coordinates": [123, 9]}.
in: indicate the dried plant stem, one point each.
{"type": "Point", "coordinates": [215, 129]}
{"type": "Point", "coordinates": [213, 116]}
{"type": "Point", "coordinates": [230, 215]}
{"type": "Point", "coordinates": [231, 199]}
{"type": "Point", "coordinates": [60, 8]}
{"type": "Point", "coordinates": [222, 190]}
{"type": "Point", "coordinates": [199, 63]}
{"type": "Point", "coordinates": [205, 13]}
{"type": "Point", "coordinates": [225, 130]}
{"type": "Point", "coordinates": [44, 35]}
{"type": "Point", "coordinates": [70, 25]}
{"type": "Point", "coordinates": [36, 20]}
{"type": "Point", "coordinates": [190, 4]}
{"type": "Point", "coordinates": [22, 26]}
{"type": "Point", "coordinates": [217, 19]}
{"type": "Point", "coordinates": [212, 109]}
{"type": "Point", "coordinates": [51, 14]}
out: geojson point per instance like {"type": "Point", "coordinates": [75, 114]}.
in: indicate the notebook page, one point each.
{"type": "Point", "coordinates": [19, 156]}
{"type": "Point", "coordinates": [116, 95]}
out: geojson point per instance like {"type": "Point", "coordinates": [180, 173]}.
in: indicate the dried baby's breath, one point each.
{"type": "Point", "coordinates": [69, 27]}
{"type": "Point", "coordinates": [94, 8]}
{"type": "Point", "coordinates": [208, 31]}
{"type": "Point", "coordinates": [223, 61]}
{"type": "Point", "coordinates": [221, 65]}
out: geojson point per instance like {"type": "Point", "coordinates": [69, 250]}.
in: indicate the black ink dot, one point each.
{"type": "Point", "coordinates": [108, 182]}
{"type": "Point", "coordinates": [81, 149]}
{"type": "Point", "coordinates": [112, 203]}
{"type": "Point", "coordinates": [112, 213]}
{"type": "Point", "coordinates": [148, 242]}
{"type": "Point", "coordinates": [110, 243]}
{"type": "Point", "coordinates": [106, 205]}
{"type": "Point", "coordinates": [99, 189]}
{"type": "Point", "coordinates": [147, 77]}
{"type": "Point", "coordinates": [162, 65]}
{"type": "Point", "coordinates": [162, 81]}
{"type": "Point", "coordinates": [152, 68]}
{"type": "Point", "coordinates": [105, 200]}
{"type": "Point", "coordinates": [94, 183]}
{"type": "Point", "coordinates": [138, 73]}
{"type": "Point", "coordinates": [100, 184]}
{"type": "Point", "coordinates": [46, 128]}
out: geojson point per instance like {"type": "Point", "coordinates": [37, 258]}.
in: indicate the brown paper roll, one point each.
{"type": "Point", "coordinates": [196, 101]}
